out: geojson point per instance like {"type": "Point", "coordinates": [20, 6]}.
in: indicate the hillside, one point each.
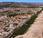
{"type": "Point", "coordinates": [17, 17]}
{"type": "Point", "coordinates": [19, 4]}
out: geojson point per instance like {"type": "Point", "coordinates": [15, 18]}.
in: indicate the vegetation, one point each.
{"type": "Point", "coordinates": [25, 27]}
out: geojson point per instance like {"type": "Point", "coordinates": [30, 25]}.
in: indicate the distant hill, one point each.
{"type": "Point", "coordinates": [19, 4]}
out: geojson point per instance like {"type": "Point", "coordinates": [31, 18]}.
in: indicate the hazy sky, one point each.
{"type": "Point", "coordinates": [21, 0]}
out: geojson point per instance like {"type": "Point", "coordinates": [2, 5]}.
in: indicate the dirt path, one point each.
{"type": "Point", "coordinates": [36, 29]}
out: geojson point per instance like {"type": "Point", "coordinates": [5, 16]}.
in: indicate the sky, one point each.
{"type": "Point", "coordinates": [21, 0]}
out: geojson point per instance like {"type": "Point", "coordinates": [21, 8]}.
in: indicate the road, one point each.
{"type": "Point", "coordinates": [36, 29]}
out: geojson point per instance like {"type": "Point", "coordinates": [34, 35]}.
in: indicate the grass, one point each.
{"type": "Point", "coordinates": [24, 28]}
